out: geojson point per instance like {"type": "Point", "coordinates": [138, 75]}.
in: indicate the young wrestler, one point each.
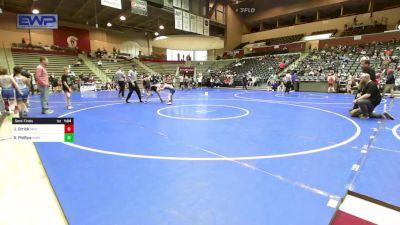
{"type": "Point", "coordinates": [171, 92]}
{"type": "Point", "coordinates": [24, 87]}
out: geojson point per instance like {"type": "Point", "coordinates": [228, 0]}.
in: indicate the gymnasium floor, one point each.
{"type": "Point", "coordinates": [228, 158]}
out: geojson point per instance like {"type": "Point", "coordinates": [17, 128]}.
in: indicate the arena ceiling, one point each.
{"type": "Point", "coordinates": [88, 12]}
{"type": "Point", "coordinates": [268, 11]}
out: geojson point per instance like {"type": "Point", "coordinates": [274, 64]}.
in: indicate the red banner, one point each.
{"type": "Point", "coordinates": [186, 70]}
{"type": "Point", "coordinates": [72, 37]}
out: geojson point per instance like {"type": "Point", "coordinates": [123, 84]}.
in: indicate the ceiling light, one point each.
{"type": "Point", "coordinates": [109, 24]}
{"type": "Point", "coordinates": [156, 33]}
{"type": "Point", "coordinates": [161, 27]}
{"type": "Point", "coordinates": [123, 18]}
{"type": "Point", "coordinates": [1, 10]}
{"type": "Point", "coordinates": [160, 38]}
{"type": "Point", "coordinates": [35, 11]}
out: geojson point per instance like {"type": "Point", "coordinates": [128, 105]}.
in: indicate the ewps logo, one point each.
{"type": "Point", "coordinates": [42, 21]}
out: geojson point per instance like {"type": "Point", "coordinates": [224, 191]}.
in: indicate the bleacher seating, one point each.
{"type": "Point", "coordinates": [333, 31]}
{"type": "Point", "coordinates": [360, 30]}
{"type": "Point", "coordinates": [164, 67]}
{"type": "Point", "coordinates": [56, 63]}
{"type": "Point", "coordinates": [282, 40]}
{"type": "Point", "coordinates": [110, 67]}
{"type": "Point", "coordinates": [240, 46]}
{"type": "Point", "coordinates": [345, 60]}
{"type": "Point", "coordinates": [262, 66]}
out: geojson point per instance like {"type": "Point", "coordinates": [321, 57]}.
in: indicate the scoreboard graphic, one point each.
{"type": "Point", "coordinates": [43, 129]}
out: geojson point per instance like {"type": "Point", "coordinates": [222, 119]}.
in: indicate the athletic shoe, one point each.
{"type": "Point", "coordinates": [388, 116]}
{"type": "Point", "coordinates": [363, 117]}
{"type": "Point", "coordinates": [169, 103]}
{"type": "Point", "coordinates": [48, 111]}
{"type": "Point", "coordinates": [69, 107]}
{"type": "Point", "coordinates": [145, 102]}
{"type": "Point", "coordinates": [127, 101]}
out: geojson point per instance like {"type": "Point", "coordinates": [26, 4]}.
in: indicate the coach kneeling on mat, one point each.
{"type": "Point", "coordinates": [369, 99]}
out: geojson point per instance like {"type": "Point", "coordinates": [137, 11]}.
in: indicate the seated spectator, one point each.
{"type": "Point", "coordinates": [77, 63]}
{"type": "Point", "coordinates": [99, 63]}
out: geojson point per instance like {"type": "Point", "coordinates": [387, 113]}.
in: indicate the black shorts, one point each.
{"type": "Point", "coordinates": [153, 88]}
{"type": "Point", "coordinates": [65, 89]}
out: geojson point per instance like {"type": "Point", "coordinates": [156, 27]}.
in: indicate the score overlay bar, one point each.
{"type": "Point", "coordinates": [43, 129]}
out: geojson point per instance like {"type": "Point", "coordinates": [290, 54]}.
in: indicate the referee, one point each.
{"type": "Point", "coordinates": [133, 86]}
{"type": "Point", "coordinates": [119, 78]}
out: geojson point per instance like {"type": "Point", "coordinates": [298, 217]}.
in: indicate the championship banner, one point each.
{"type": "Point", "coordinates": [186, 70]}
{"type": "Point", "coordinates": [177, 3]}
{"type": "Point", "coordinates": [185, 5]}
{"type": "Point", "coordinates": [67, 37]}
{"type": "Point", "coordinates": [186, 21]}
{"type": "Point", "coordinates": [178, 19]}
{"type": "Point", "coordinates": [168, 3]}
{"type": "Point", "coordinates": [193, 23]}
{"type": "Point", "coordinates": [112, 3]}
{"type": "Point", "coordinates": [206, 27]}
{"type": "Point", "coordinates": [139, 7]}
{"type": "Point", "coordinates": [200, 25]}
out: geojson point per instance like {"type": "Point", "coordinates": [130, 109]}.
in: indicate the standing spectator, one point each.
{"type": "Point", "coordinates": [199, 81]}
{"type": "Point", "coordinates": [366, 68]}
{"type": "Point", "coordinates": [295, 81]}
{"type": "Point", "coordinates": [244, 82]}
{"type": "Point", "coordinates": [282, 65]}
{"type": "Point", "coordinates": [390, 83]}
{"type": "Point", "coordinates": [42, 78]}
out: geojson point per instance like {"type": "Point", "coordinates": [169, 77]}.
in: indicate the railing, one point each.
{"type": "Point", "coordinates": [148, 69]}
{"type": "Point", "coordinates": [100, 74]}
{"type": "Point", "coordinates": [6, 58]}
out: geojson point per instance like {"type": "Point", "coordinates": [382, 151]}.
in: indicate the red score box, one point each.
{"type": "Point", "coordinates": [69, 128]}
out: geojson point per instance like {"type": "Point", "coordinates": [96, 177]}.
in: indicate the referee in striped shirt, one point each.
{"type": "Point", "coordinates": [120, 78]}
{"type": "Point", "coordinates": [133, 86]}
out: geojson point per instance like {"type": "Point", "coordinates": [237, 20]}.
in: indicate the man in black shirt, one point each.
{"type": "Point", "coordinates": [366, 68]}
{"type": "Point", "coordinates": [369, 99]}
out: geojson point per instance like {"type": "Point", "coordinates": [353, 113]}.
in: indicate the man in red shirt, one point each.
{"type": "Point", "coordinates": [282, 66]}
{"type": "Point", "coordinates": [42, 79]}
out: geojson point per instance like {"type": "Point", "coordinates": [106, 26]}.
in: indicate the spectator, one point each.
{"type": "Point", "coordinates": [369, 99]}
{"type": "Point", "coordinates": [43, 85]}
{"type": "Point", "coordinates": [390, 83]}
{"type": "Point", "coordinates": [99, 63]}
{"type": "Point", "coordinates": [366, 68]}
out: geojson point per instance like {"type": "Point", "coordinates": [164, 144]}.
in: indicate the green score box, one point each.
{"type": "Point", "coordinates": [69, 137]}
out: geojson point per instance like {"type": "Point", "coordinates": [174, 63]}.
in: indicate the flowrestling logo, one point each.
{"type": "Point", "coordinates": [39, 21]}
